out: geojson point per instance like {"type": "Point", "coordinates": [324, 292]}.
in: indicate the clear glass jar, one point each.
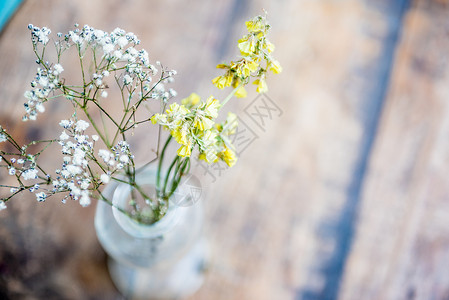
{"type": "Point", "coordinates": [164, 260]}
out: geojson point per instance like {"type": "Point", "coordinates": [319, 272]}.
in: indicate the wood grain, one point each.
{"type": "Point", "coordinates": [401, 246]}
{"type": "Point", "coordinates": [340, 194]}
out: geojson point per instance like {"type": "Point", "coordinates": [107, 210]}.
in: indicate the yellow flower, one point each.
{"type": "Point", "coordinates": [241, 92]}
{"type": "Point", "coordinates": [192, 100]}
{"type": "Point", "coordinates": [180, 135]}
{"type": "Point", "coordinates": [209, 137]}
{"type": "Point", "coordinates": [261, 85]}
{"type": "Point", "coordinates": [222, 81]}
{"type": "Point", "coordinates": [219, 82]}
{"type": "Point", "coordinates": [177, 110]}
{"type": "Point", "coordinates": [159, 118]}
{"type": "Point", "coordinates": [228, 156]}
{"type": "Point", "coordinates": [275, 66]}
{"type": "Point", "coordinates": [260, 35]}
{"type": "Point", "coordinates": [203, 123]}
{"type": "Point", "coordinates": [229, 78]}
{"type": "Point", "coordinates": [255, 25]}
{"type": "Point", "coordinates": [246, 46]}
{"type": "Point", "coordinates": [185, 150]}
{"type": "Point", "coordinates": [211, 107]}
{"type": "Point", "coordinates": [209, 156]}
{"type": "Point", "coordinates": [248, 67]}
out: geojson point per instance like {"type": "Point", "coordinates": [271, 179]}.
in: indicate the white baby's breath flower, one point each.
{"type": "Point", "coordinates": [118, 31]}
{"type": "Point", "coordinates": [39, 35]}
{"type": "Point", "coordinates": [75, 38]}
{"type": "Point", "coordinates": [66, 174]}
{"type": "Point", "coordinates": [81, 138]}
{"type": "Point", "coordinates": [40, 107]}
{"type": "Point", "coordinates": [66, 150]}
{"type": "Point", "coordinates": [2, 205]}
{"type": "Point", "coordinates": [30, 174]}
{"type": "Point", "coordinates": [66, 123]}
{"type": "Point", "coordinates": [122, 42]}
{"type": "Point", "coordinates": [81, 125]}
{"type": "Point", "coordinates": [12, 171]}
{"type": "Point", "coordinates": [85, 184]}
{"type": "Point", "coordinates": [127, 80]}
{"type": "Point", "coordinates": [105, 178]}
{"type": "Point", "coordinates": [58, 69]}
{"type": "Point", "coordinates": [127, 57]}
{"type": "Point", "coordinates": [133, 52]}
{"type": "Point", "coordinates": [124, 159]}
{"type": "Point", "coordinates": [108, 48]}
{"type": "Point", "coordinates": [105, 155]}
{"type": "Point", "coordinates": [30, 95]}
{"type": "Point", "coordinates": [74, 170]}
{"type": "Point", "coordinates": [104, 94]}
{"type": "Point", "coordinates": [99, 34]}
{"type": "Point", "coordinates": [3, 137]}
{"type": "Point", "coordinates": [78, 157]}
{"type": "Point", "coordinates": [117, 54]}
{"type": "Point", "coordinates": [64, 136]}
{"type": "Point", "coordinates": [43, 81]}
{"type": "Point", "coordinates": [95, 137]}
{"type": "Point", "coordinates": [74, 190]}
{"type": "Point", "coordinates": [40, 197]}
{"type": "Point", "coordinates": [85, 199]}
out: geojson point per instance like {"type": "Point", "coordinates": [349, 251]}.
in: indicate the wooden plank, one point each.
{"type": "Point", "coordinates": [401, 246]}
{"type": "Point", "coordinates": [300, 174]}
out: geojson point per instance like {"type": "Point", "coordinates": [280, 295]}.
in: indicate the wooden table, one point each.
{"type": "Point", "coordinates": [342, 192]}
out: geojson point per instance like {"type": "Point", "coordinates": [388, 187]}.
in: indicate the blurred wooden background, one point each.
{"type": "Point", "coordinates": [342, 192]}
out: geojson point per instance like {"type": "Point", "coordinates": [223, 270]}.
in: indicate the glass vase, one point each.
{"type": "Point", "coordinates": [164, 260]}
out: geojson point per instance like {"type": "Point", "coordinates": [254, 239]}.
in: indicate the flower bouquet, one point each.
{"type": "Point", "coordinates": [89, 161]}
{"type": "Point", "coordinates": [118, 90]}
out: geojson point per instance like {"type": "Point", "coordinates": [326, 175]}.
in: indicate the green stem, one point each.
{"type": "Point", "coordinates": [230, 95]}
{"type": "Point", "coordinates": [104, 111]}
{"type": "Point", "coordinates": [159, 167]}
{"type": "Point", "coordinates": [96, 127]}
{"type": "Point", "coordinates": [168, 173]}
{"type": "Point", "coordinates": [181, 171]}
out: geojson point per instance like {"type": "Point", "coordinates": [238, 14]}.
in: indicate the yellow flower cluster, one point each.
{"type": "Point", "coordinates": [256, 50]}
{"type": "Point", "coordinates": [193, 124]}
